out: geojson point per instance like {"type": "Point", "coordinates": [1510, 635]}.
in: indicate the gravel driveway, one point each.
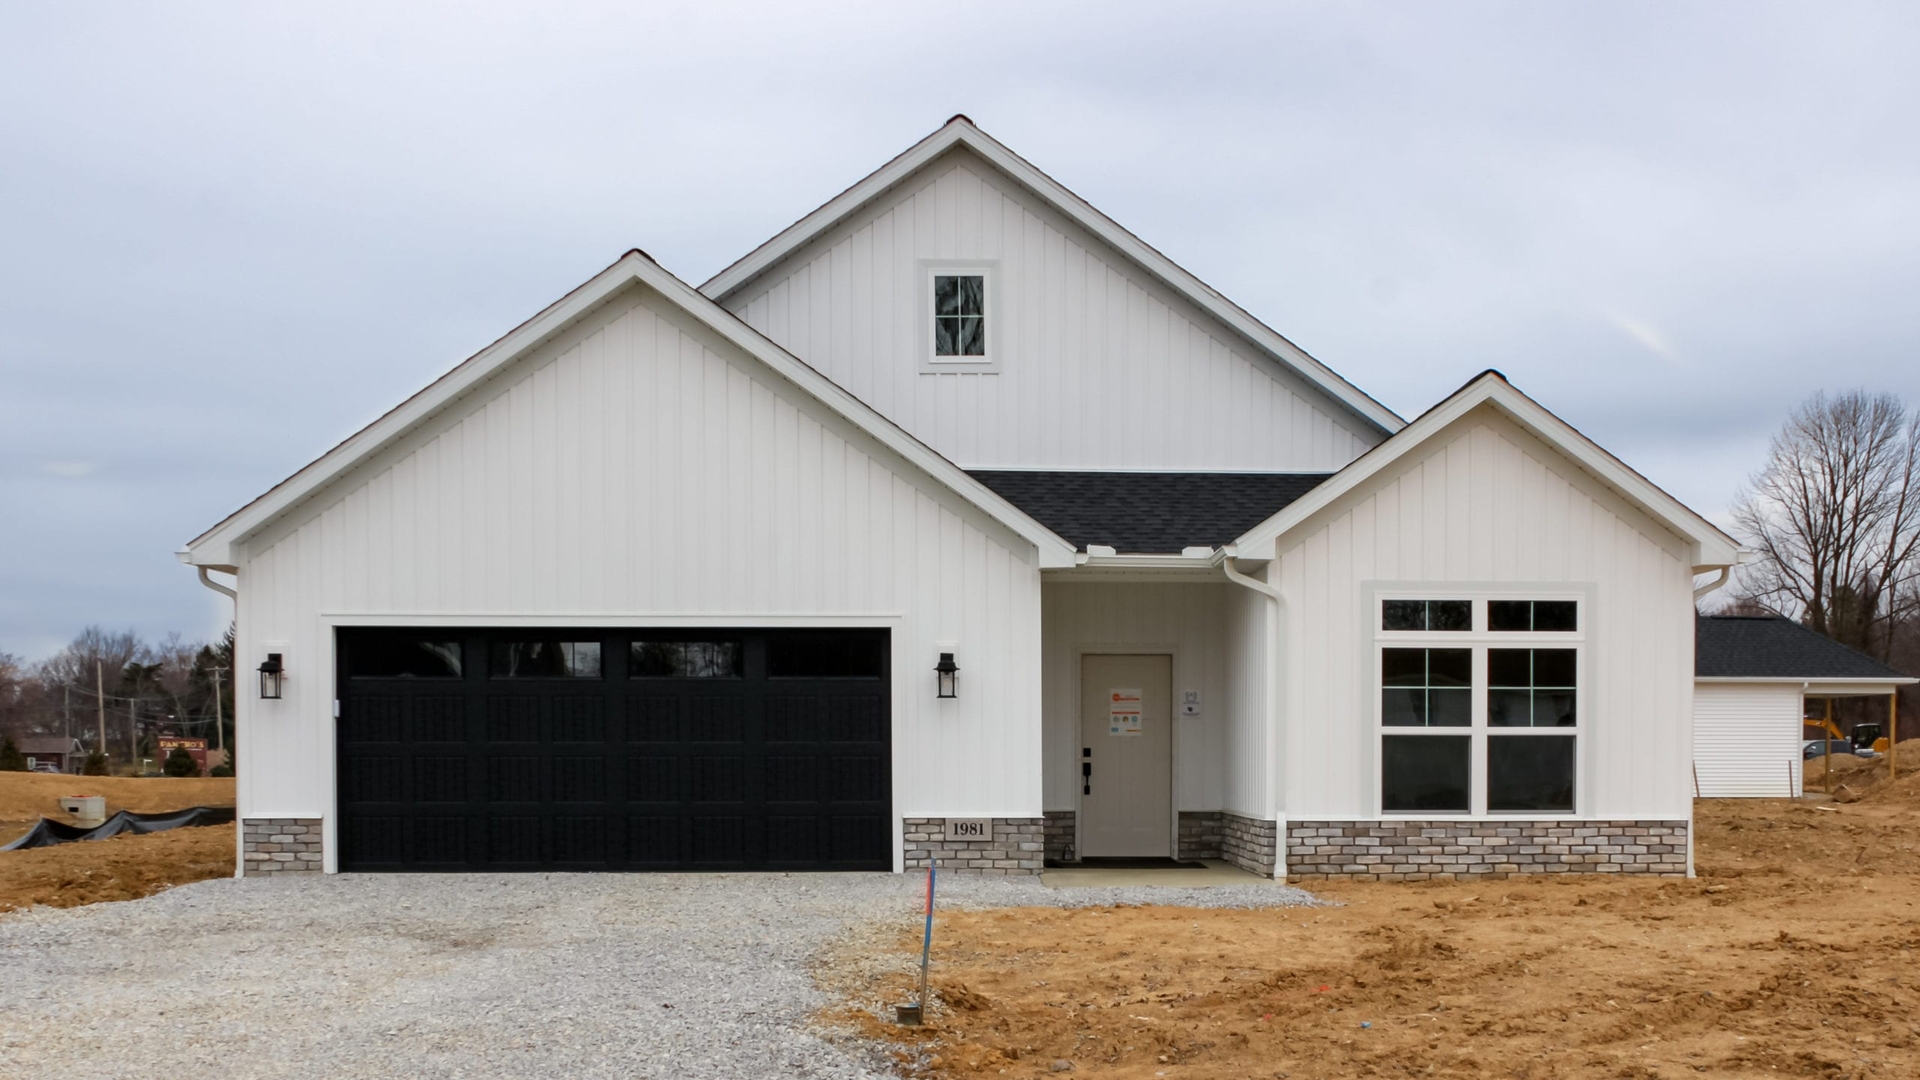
{"type": "Point", "coordinates": [464, 976]}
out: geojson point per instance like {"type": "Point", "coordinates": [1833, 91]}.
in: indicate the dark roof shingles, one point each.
{"type": "Point", "coordinates": [1148, 513]}
{"type": "Point", "coordinates": [1768, 646]}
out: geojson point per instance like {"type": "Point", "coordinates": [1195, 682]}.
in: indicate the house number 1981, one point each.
{"type": "Point", "coordinates": [969, 829]}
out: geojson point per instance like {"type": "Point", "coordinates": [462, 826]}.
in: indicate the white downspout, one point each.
{"type": "Point", "coordinates": [216, 586]}
{"type": "Point", "coordinates": [1726, 575]}
{"type": "Point", "coordinates": [1230, 565]}
{"type": "Point", "coordinates": [239, 826]}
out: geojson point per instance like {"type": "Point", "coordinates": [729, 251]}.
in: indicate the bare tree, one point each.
{"type": "Point", "coordinates": [1835, 515]}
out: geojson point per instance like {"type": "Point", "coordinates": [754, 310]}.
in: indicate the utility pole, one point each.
{"type": "Point", "coordinates": [133, 733]}
{"type": "Point", "coordinates": [219, 710]}
{"type": "Point", "coordinates": [66, 711]}
{"type": "Point", "coordinates": [100, 704]}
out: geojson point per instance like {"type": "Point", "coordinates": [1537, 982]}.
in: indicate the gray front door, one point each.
{"type": "Point", "coordinates": [1126, 738]}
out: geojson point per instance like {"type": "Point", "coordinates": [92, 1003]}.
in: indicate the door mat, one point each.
{"type": "Point", "coordinates": [1126, 862]}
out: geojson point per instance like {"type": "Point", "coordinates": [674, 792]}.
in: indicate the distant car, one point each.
{"type": "Point", "coordinates": [1814, 748]}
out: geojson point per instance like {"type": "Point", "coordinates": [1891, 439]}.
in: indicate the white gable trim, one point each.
{"type": "Point", "coordinates": [961, 131]}
{"type": "Point", "coordinates": [1711, 548]}
{"type": "Point", "coordinates": [217, 546]}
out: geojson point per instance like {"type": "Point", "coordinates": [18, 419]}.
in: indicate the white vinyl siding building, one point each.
{"type": "Point", "coordinates": [1746, 740]}
{"type": "Point", "coordinates": [1756, 677]}
{"type": "Point", "coordinates": [1163, 583]}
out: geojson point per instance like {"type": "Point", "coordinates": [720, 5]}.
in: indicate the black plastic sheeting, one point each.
{"type": "Point", "coordinates": [50, 832]}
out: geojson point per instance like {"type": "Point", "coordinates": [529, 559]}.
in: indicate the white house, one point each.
{"type": "Point", "coordinates": [1756, 677]}
{"type": "Point", "coordinates": [661, 580]}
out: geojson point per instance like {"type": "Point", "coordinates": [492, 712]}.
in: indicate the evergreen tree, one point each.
{"type": "Point", "coordinates": [180, 763]}
{"type": "Point", "coordinates": [11, 759]}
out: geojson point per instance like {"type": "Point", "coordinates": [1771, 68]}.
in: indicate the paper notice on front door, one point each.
{"type": "Point", "coordinates": [1123, 713]}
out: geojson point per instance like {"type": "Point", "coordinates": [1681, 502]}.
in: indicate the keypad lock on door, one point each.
{"type": "Point", "coordinates": [1086, 770]}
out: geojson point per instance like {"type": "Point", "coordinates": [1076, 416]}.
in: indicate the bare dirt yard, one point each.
{"type": "Point", "coordinates": [123, 868]}
{"type": "Point", "coordinates": [1792, 954]}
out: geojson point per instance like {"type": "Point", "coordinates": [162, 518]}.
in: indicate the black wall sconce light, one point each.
{"type": "Point", "coordinates": [948, 673]}
{"type": "Point", "coordinates": [271, 673]}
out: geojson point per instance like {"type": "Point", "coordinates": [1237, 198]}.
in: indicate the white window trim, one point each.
{"type": "Point", "coordinates": [1479, 639]}
{"type": "Point", "coordinates": [989, 273]}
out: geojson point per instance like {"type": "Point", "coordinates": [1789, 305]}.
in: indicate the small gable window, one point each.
{"type": "Point", "coordinates": [959, 317]}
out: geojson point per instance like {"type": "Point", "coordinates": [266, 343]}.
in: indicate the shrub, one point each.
{"type": "Point", "coordinates": [96, 765]}
{"type": "Point", "coordinates": [222, 769]}
{"type": "Point", "coordinates": [11, 759]}
{"type": "Point", "coordinates": [180, 763]}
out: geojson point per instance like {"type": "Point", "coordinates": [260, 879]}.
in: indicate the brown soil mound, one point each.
{"type": "Point", "coordinates": [1859, 774]}
{"type": "Point", "coordinates": [25, 798]}
{"type": "Point", "coordinates": [1794, 954]}
{"type": "Point", "coordinates": [123, 868]}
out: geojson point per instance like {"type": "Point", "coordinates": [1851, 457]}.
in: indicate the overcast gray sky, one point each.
{"type": "Point", "coordinates": [230, 234]}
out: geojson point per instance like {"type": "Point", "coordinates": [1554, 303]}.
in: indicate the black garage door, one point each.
{"type": "Point", "coordinates": [596, 750]}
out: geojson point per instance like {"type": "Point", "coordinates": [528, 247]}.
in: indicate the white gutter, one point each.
{"type": "Point", "coordinates": [1741, 558]}
{"type": "Point", "coordinates": [1229, 563]}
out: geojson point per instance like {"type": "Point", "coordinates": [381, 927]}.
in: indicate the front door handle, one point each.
{"type": "Point", "coordinates": [1086, 777]}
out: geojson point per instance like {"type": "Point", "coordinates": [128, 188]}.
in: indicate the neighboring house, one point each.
{"type": "Point", "coordinates": [62, 753]}
{"type": "Point", "coordinates": [1755, 678]}
{"type": "Point", "coordinates": [662, 578]}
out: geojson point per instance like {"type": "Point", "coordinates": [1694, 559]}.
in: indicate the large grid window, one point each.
{"type": "Point", "coordinates": [1479, 705]}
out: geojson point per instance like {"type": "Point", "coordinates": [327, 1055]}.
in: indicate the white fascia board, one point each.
{"type": "Point", "coordinates": [961, 131]}
{"type": "Point", "coordinates": [1712, 548]}
{"type": "Point", "coordinates": [216, 546]}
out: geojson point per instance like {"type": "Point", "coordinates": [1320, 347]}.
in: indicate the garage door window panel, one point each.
{"type": "Point", "coordinates": [826, 656]}
{"type": "Point", "coordinates": [675, 658]}
{"type": "Point", "coordinates": [403, 656]}
{"type": "Point", "coordinates": [544, 659]}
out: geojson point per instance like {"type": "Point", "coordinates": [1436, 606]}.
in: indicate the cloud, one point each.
{"type": "Point", "coordinates": [1647, 336]}
{"type": "Point", "coordinates": [236, 233]}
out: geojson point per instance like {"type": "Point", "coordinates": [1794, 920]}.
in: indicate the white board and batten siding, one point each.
{"type": "Point", "coordinates": [1484, 502]}
{"type": "Point", "coordinates": [638, 470]}
{"type": "Point", "coordinates": [1184, 620]}
{"type": "Point", "coordinates": [1746, 740]}
{"type": "Point", "coordinates": [1097, 364]}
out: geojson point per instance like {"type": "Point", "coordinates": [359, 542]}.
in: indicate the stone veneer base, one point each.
{"type": "Point", "coordinates": [1249, 843]}
{"type": "Point", "coordinates": [1202, 834]}
{"type": "Point", "coordinates": [280, 846]}
{"type": "Point", "coordinates": [1063, 830]}
{"type": "Point", "coordinates": [1419, 850]}
{"type": "Point", "coordinates": [1018, 847]}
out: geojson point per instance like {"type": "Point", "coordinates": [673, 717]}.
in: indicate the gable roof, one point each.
{"type": "Point", "coordinates": [214, 548]}
{"type": "Point", "coordinates": [1772, 647]}
{"type": "Point", "coordinates": [1138, 513]}
{"type": "Point", "coordinates": [48, 744]}
{"type": "Point", "coordinates": [1712, 547]}
{"type": "Point", "coordinates": [960, 131]}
